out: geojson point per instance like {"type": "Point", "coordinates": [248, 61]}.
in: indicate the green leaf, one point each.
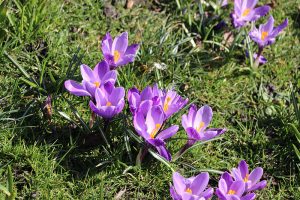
{"type": "Point", "coordinates": [5, 190]}
{"type": "Point", "coordinates": [297, 151]}
{"type": "Point", "coordinates": [161, 159]}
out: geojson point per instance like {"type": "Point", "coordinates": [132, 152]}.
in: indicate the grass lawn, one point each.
{"type": "Point", "coordinates": [57, 156]}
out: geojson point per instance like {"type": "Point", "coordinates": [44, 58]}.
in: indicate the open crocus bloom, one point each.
{"type": "Point", "coordinates": [196, 122]}
{"type": "Point", "coordinates": [244, 12]}
{"type": "Point", "coordinates": [232, 190]}
{"type": "Point", "coordinates": [149, 129]}
{"type": "Point", "coordinates": [109, 101]}
{"type": "Point", "coordinates": [266, 33]}
{"type": "Point", "coordinates": [117, 52]}
{"type": "Point", "coordinates": [193, 188]}
{"type": "Point", "coordinates": [141, 101]}
{"type": "Point", "coordinates": [92, 79]}
{"type": "Point", "coordinates": [170, 101]}
{"type": "Point", "coordinates": [252, 179]}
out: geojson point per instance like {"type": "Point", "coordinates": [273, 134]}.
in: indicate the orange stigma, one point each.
{"type": "Point", "coordinates": [108, 103]}
{"type": "Point", "coordinates": [97, 84]}
{"type": "Point", "coordinates": [188, 190]}
{"type": "Point", "coordinates": [264, 34]}
{"type": "Point", "coordinates": [246, 12]}
{"type": "Point", "coordinates": [231, 192]}
{"type": "Point", "coordinates": [201, 125]}
{"type": "Point", "coordinates": [116, 56]}
{"type": "Point", "coordinates": [246, 178]}
{"type": "Point", "coordinates": [155, 130]}
{"type": "Point", "coordinates": [166, 105]}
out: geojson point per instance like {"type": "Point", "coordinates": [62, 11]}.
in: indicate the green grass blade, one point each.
{"type": "Point", "coordinates": [5, 190]}
{"type": "Point", "coordinates": [161, 159]}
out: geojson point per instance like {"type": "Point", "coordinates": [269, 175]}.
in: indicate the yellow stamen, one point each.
{"type": "Point", "coordinates": [155, 130]}
{"type": "Point", "coordinates": [188, 190]}
{"type": "Point", "coordinates": [231, 192]}
{"type": "Point", "coordinates": [246, 12]}
{"type": "Point", "coordinates": [246, 178]}
{"type": "Point", "coordinates": [264, 34]}
{"type": "Point", "coordinates": [116, 56]}
{"type": "Point", "coordinates": [166, 105]}
{"type": "Point", "coordinates": [201, 125]}
{"type": "Point", "coordinates": [108, 103]}
{"type": "Point", "coordinates": [97, 83]}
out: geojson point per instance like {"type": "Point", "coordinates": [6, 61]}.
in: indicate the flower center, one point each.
{"type": "Point", "coordinates": [116, 56]}
{"type": "Point", "coordinates": [246, 178]}
{"type": "Point", "coordinates": [155, 130]}
{"type": "Point", "coordinates": [166, 105]}
{"type": "Point", "coordinates": [231, 192]}
{"type": "Point", "coordinates": [246, 12]}
{"type": "Point", "coordinates": [201, 125]}
{"type": "Point", "coordinates": [108, 103]}
{"type": "Point", "coordinates": [188, 190]}
{"type": "Point", "coordinates": [264, 34]}
{"type": "Point", "coordinates": [97, 83]}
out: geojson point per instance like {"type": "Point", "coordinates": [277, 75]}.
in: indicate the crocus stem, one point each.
{"type": "Point", "coordinates": [181, 151]}
{"type": "Point", "coordinates": [92, 120]}
{"type": "Point", "coordinates": [256, 62]}
{"type": "Point", "coordinates": [142, 153]}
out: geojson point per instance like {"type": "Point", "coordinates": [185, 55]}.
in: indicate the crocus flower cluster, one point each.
{"type": "Point", "coordinates": [244, 12]}
{"type": "Point", "coordinates": [239, 185]}
{"type": "Point", "coordinates": [99, 83]}
{"type": "Point", "coordinates": [151, 108]}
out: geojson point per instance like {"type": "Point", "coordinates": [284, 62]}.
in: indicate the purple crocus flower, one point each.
{"type": "Point", "coordinates": [244, 12]}
{"type": "Point", "coordinates": [261, 59]}
{"type": "Point", "coordinates": [196, 122]}
{"type": "Point", "coordinates": [169, 101]}
{"type": "Point", "coordinates": [266, 33]}
{"type": "Point", "coordinates": [251, 180]}
{"type": "Point", "coordinates": [92, 79]}
{"type": "Point", "coordinates": [117, 52]}
{"type": "Point", "coordinates": [142, 101]}
{"type": "Point", "coordinates": [232, 190]}
{"type": "Point", "coordinates": [109, 101]}
{"type": "Point", "coordinates": [149, 128]}
{"type": "Point", "coordinates": [193, 188]}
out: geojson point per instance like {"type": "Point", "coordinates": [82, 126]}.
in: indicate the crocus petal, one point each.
{"type": "Point", "coordinates": [238, 187]}
{"type": "Point", "coordinates": [116, 95]}
{"type": "Point", "coordinates": [87, 73]}
{"type": "Point", "coordinates": [204, 114]}
{"type": "Point", "coordinates": [250, 196]}
{"type": "Point", "coordinates": [258, 186]}
{"type": "Point", "coordinates": [179, 183]}
{"type": "Point", "coordinates": [243, 168]}
{"type": "Point", "coordinates": [145, 106]}
{"type": "Point", "coordinates": [268, 27]}
{"type": "Point", "coordinates": [256, 175]}
{"type": "Point", "coordinates": [100, 70]}
{"type": "Point", "coordinates": [120, 106]}
{"type": "Point", "coordinates": [139, 125]}
{"type": "Point", "coordinates": [236, 174]}
{"type": "Point", "coordinates": [164, 152]}
{"type": "Point", "coordinates": [75, 88]}
{"type": "Point", "coordinates": [167, 133]}
{"type": "Point", "coordinates": [110, 76]}
{"type": "Point", "coordinates": [279, 28]}
{"type": "Point", "coordinates": [173, 193]}
{"type": "Point", "coordinates": [101, 98]}
{"type": "Point", "coordinates": [259, 12]}
{"type": "Point", "coordinates": [200, 183]}
{"type": "Point", "coordinates": [227, 177]}
{"type": "Point", "coordinates": [207, 194]}
{"type": "Point", "coordinates": [188, 196]}
{"type": "Point", "coordinates": [192, 134]}
{"type": "Point", "coordinates": [261, 59]}
{"type": "Point", "coordinates": [107, 111]}
{"type": "Point", "coordinates": [251, 4]}
{"type": "Point", "coordinates": [222, 186]}
{"type": "Point", "coordinates": [120, 43]}
{"type": "Point", "coordinates": [146, 94]}
{"type": "Point", "coordinates": [132, 49]}
{"type": "Point", "coordinates": [213, 132]}
{"type": "Point", "coordinates": [90, 87]}
{"type": "Point", "coordinates": [155, 116]}
{"type": "Point", "coordinates": [125, 60]}
{"type": "Point", "coordinates": [220, 194]}
{"type": "Point", "coordinates": [107, 44]}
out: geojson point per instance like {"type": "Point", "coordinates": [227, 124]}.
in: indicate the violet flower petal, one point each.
{"type": "Point", "coordinates": [75, 88]}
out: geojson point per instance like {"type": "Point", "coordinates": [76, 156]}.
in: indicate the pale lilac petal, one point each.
{"type": "Point", "coordinates": [251, 4]}
{"type": "Point", "coordinates": [87, 73]}
{"type": "Point", "coordinates": [132, 49]}
{"type": "Point", "coordinates": [155, 116]}
{"type": "Point", "coordinates": [146, 94]}
{"type": "Point", "coordinates": [164, 152]}
{"type": "Point", "coordinates": [258, 186]}
{"type": "Point", "coordinates": [238, 187]}
{"type": "Point", "coordinates": [139, 125]}
{"type": "Point", "coordinates": [167, 133]}
{"type": "Point", "coordinates": [107, 44]}
{"type": "Point", "coordinates": [236, 174]}
{"type": "Point", "coordinates": [200, 183]}
{"type": "Point", "coordinates": [110, 76]}
{"type": "Point", "coordinates": [125, 60]}
{"type": "Point", "coordinates": [120, 43]}
{"type": "Point", "coordinates": [90, 87]}
{"type": "Point", "coordinates": [250, 196]}
{"type": "Point", "coordinates": [259, 12]}
{"type": "Point", "coordinates": [207, 194]}
{"type": "Point", "coordinates": [145, 106]}
{"type": "Point", "coordinates": [220, 194]}
{"type": "Point", "coordinates": [227, 177]}
{"type": "Point", "coordinates": [268, 27]}
{"type": "Point", "coordinates": [256, 175]}
{"type": "Point", "coordinates": [204, 114]}
{"type": "Point", "coordinates": [179, 183]}
{"type": "Point", "coordinates": [173, 193]}
{"type": "Point", "coordinates": [243, 168]}
{"type": "Point", "coordinates": [279, 28]}
{"type": "Point", "coordinates": [213, 132]}
{"type": "Point", "coordinates": [75, 88]}
{"type": "Point", "coordinates": [116, 95]}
